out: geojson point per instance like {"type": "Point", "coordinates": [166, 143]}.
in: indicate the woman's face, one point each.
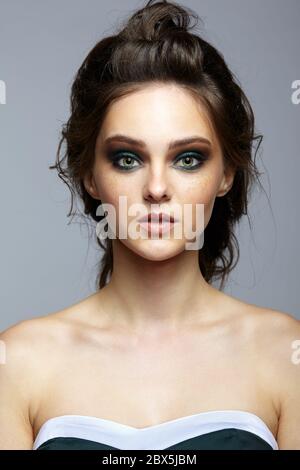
{"type": "Point", "coordinates": [152, 173]}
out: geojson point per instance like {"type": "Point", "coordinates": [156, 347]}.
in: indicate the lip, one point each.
{"type": "Point", "coordinates": [157, 228]}
{"type": "Point", "coordinates": [157, 218]}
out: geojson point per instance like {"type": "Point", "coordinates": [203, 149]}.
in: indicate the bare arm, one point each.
{"type": "Point", "coordinates": [288, 436]}
{"type": "Point", "coordinates": [15, 384]}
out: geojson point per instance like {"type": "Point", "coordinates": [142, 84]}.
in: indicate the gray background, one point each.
{"type": "Point", "coordinates": [46, 264]}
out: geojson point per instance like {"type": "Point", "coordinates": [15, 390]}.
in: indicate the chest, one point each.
{"type": "Point", "coordinates": [143, 386]}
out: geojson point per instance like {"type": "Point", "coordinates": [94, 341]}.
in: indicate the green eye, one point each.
{"type": "Point", "coordinates": [129, 159]}
{"type": "Point", "coordinates": [122, 156]}
{"type": "Point", "coordinates": [188, 159]}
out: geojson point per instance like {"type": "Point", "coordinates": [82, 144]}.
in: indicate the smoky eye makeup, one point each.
{"type": "Point", "coordinates": [127, 160]}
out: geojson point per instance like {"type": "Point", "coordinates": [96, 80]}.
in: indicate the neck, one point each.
{"type": "Point", "coordinates": [149, 294]}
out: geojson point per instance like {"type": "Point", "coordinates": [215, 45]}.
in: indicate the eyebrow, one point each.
{"type": "Point", "coordinates": [173, 144]}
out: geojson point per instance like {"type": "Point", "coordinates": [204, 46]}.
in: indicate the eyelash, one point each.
{"type": "Point", "coordinates": [119, 155]}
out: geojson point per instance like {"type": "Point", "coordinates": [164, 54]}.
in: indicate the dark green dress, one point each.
{"type": "Point", "coordinates": [211, 430]}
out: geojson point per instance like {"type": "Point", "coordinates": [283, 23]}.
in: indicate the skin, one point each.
{"type": "Point", "coordinates": [158, 342]}
{"type": "Point", "coordinates": [147, 272]}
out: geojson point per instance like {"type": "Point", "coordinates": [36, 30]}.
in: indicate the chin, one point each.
{"type": "Point", "coordinates": [157, 250]}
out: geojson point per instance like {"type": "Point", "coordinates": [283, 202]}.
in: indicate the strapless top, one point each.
{"type": "Point", "coordinates": [221, 429]}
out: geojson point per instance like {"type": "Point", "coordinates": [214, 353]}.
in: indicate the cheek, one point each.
{"type": "Point", "coordinates": [201, 191]}
{"type": "Point", "coordinates": [110, 188]}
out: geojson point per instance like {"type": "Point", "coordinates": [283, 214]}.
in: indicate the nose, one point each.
{"type": "Point", "coordinates": [156, 188]}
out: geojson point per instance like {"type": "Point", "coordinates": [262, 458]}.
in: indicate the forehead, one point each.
{"type": "Point", "coordinates": [158, 113]}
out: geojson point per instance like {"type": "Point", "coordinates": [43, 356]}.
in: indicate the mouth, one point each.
{"type": "Point", "coordinates": [157, 224]}
{"type": "Point", "coordinates": [157, 218]}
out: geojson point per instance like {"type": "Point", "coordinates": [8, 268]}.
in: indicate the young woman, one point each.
{"type": "Point", "coordinates": [156, 358]}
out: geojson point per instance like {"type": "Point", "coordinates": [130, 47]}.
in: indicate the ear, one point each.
{"type": "Point", "coordinates": [90, 186]}
{"type": "Point", "coordinates": [227, 182]}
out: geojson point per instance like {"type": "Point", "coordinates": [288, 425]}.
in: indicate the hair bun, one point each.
{"type": "Point", "coordinates": [156, 19]}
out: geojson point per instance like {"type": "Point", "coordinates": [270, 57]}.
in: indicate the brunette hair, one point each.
{"type": "Point", "coordinates": [155, 45]}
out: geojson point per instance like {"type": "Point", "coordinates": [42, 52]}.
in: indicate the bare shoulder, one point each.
{"type": "Point", "coordinates": [22, 343]}
{"type": "Point", "coordinates": [286, 352]}
{"type": "Point", "coordinates": [278, 331]}
{"type": "Point", "coordinates": [276, 327]}
{"type": "Point", "coordinates": [31, 336]}
{"type": "Point", "coordinates": [20, 372]}
{"type": "Point", "coordinates": [275, 335]}
{"type": "Point", "coordinates": [32, 340]}
{"type": "Point", "coordinates": [27, 345]}
{"type": "Point", "coordinates": [31, 354]}
{"type": "Point", "coordinates": [278, 336]}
